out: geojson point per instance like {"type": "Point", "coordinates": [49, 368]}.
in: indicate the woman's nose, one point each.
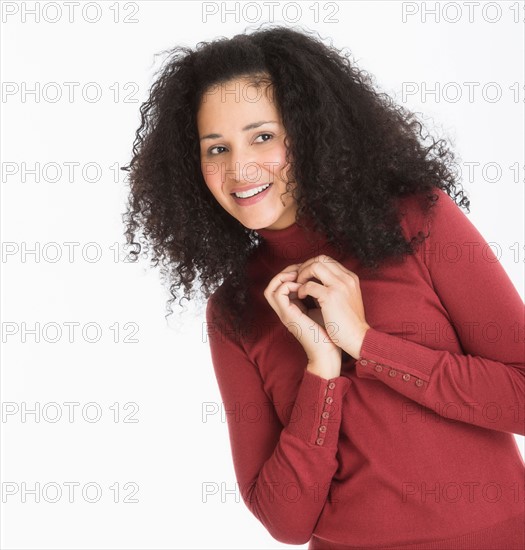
{"type": "Point", "coordinates": [242, 168]}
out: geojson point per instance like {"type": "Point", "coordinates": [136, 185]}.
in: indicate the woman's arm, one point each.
{"type": "Point", "coordinates": [284, 473]}
{"type": "Point", "coordinates": [485, 385]}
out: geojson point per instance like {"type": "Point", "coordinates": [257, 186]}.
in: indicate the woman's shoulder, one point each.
{"type": "Point", "coordinates": [419, 215]}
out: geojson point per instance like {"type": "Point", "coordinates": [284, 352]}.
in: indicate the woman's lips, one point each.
{"type": "Point", "coordinates": [254, 199]}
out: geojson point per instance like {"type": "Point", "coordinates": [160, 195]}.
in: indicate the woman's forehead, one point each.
{"type": "Point", "coordinates": [237, 98]}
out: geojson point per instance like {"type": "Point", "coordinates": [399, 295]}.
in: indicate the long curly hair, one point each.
{"type": "Point", "coordinates": [354, 151]}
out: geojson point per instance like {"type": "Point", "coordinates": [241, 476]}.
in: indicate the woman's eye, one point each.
{"type": "Point", "coordinates": [213, 148]}
{"type": "Point", "coordinates": [261, 135]}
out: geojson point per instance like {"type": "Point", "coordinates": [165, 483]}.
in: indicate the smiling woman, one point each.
{"type": "Point", "coordinates": [244, 164]}
{"type": "Point", "coordinates": [308, 203]}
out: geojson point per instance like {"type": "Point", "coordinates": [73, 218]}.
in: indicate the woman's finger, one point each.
{"type": "Point", "coordinates": [285, 300]}
{"type": "Point", "coordinates": [328, 276]}
{"type": "Point", "coordinates": [315, 290]}
{"type": "Point", "coordinates": [277, 281]}
{"type": "Point", "coordinates": [327, 262]}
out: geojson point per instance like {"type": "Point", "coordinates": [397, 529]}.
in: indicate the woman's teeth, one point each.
{"type": "Point", "coordinates": [251, 192]}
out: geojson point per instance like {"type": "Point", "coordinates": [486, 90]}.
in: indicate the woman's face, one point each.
{"type": "Point", "coordinates": [242, 148]}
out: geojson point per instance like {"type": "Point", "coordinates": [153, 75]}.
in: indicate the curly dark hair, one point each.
{"type": "Point", "coordinates": [367, 153]}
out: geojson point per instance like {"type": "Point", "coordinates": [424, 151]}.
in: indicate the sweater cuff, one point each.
{"type": "Point", "coordinates": [316, 417]}
{"type": "Point", "coordinates": [391, 358]}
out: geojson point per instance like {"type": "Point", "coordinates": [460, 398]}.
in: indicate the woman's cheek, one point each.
{"type": "Point", "coordinates": [275, 162]}
{"type": "Point", "coordinates": [208, 170]}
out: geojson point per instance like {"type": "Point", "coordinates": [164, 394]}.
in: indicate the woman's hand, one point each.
{"type": "Point", "coordinates": [324, 356]}
{"type": "Point", "coordinates": [339, 297]}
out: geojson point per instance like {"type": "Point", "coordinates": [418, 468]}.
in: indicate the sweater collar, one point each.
{"type": "Point", "coordinates": [295, 243]}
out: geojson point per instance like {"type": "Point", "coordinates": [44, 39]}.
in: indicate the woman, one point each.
{"type": "Point", "coordinates": [365, 339]}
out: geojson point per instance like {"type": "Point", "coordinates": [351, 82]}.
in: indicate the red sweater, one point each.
{"type": "Point", "coordinates": [411, 447]}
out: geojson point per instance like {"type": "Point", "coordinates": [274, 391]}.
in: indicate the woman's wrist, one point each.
{"type": "Point", "coordinates": [324, 368]}
{"type": "Point", "coordinates": [360, 341]}
{"type": "Point", "coordinates": [354, 349]}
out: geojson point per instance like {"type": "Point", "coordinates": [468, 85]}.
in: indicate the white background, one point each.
{"type": "Point", "coordinates": [171, 453]}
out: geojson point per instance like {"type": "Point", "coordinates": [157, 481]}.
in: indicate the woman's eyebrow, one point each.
{"type": "Point", "coordinates": [248, 127]}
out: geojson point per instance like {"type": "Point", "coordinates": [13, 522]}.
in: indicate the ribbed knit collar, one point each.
{"type": "Point", "coordinates": [294, 244]}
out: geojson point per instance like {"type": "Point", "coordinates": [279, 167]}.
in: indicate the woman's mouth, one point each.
{"type": "Point", "coordinates": [255, 195]}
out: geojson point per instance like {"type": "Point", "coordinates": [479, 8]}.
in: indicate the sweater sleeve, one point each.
{"type": "Point", "coordinates": [485, 385]}
{"type": "Point", "coordinates": [284, 473]}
